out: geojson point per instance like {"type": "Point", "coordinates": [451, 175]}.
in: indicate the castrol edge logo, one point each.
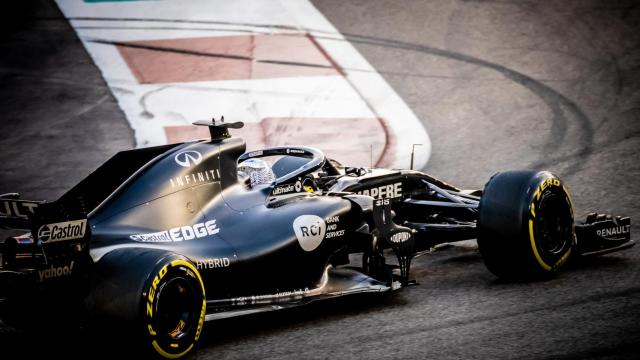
{"type": "Point", "coordinates": [67, 230]}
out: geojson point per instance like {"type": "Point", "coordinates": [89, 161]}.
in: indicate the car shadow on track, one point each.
{"type": "Point", "coordinates": [272, 323]}
{"type": "Point", "coordinates": [441, 271]}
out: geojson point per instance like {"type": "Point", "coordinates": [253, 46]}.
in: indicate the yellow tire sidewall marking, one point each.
{"type": "Point", "coordinates": [175, 263]}
{"type": "Point", "coordinates": [167, 355]}
{"type": "Point", "coordinates": [535, 248]}
{"type": "Point", "coordinates": [545, 184]}
{"type": "Point", "coordinates": [152, 288]}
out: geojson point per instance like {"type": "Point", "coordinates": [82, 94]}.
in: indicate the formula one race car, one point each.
{"type": "Point", "coordinates": [166, 238]}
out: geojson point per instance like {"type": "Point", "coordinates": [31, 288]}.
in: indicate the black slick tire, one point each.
{"type": "Point", "coordinates": [525, 225]}
{"type": "Point", "coordinates": [155, 298]}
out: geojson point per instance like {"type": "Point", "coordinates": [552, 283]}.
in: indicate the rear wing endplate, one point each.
{"type": "Point", "coordinates": [15, 212]}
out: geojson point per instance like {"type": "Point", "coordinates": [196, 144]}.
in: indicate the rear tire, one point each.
{"type": "Point", "coordinates": [157, 296]}
{"type": "Point", "coordinates": [525, 226]}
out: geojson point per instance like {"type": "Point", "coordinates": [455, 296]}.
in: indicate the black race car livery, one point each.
{"type": "Point", "coordinates": [166, 238]}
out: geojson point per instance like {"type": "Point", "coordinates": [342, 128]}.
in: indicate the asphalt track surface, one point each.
{"type": "Point", "coordinates": [499, 85]}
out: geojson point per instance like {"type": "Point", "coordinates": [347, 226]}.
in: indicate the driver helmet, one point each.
{"type": "Point", "coordinates": [255, 172]}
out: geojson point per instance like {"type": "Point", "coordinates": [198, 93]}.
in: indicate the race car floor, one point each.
{"type": "Point", "coordinates": [498, 85]}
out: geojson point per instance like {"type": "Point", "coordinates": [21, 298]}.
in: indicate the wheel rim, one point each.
{"type": "Point", "coordinates": [177, 309]}
{"type": "Point", "coordinates": [554, 222]}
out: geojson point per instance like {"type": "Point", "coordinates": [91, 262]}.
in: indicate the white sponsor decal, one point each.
{"type": "Point", "coordinates": [383, 202]}
{"type": "Point", "coordinates": [255, 153]}
{"type": "Point", "coordinates": [213, 263]}
{"type": "Point", "coordinates": [284, 189]}
{"type": "Point", "coordinates": [16, 208]}
{"type": "Point", "coordinates": [618, 230]}
{"type": "Point", "coordinates": [182, 233]}
{"type": "Point", "coordinates": [332, 226]}
{"type": "Point", "coordinates": [266, 298]}
{"type": "Point", "coordinates": [332, 219]}
{"type": "Point", "coordinates": [400, 237]}
{"type": "Point", "coordinates": [188, 158]}
{"type": "Point", "coordinates": [310, 230]}
{"type": "Point", "coordinates": [54, 272]}
{"type": "Point", "coordinates": [336, 233]}
{"type": "Point", "coordinates": [67, 230]}
{"type": "Point", "coordinates": [288, 188]}
{"type": "Point", "coordinates": [195, 178]}
{"type": "Point", "coordinates": [390, 191]}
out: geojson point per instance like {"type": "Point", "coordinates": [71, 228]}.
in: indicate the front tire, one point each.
{"type": "Point", "coordinates": [525, 226]}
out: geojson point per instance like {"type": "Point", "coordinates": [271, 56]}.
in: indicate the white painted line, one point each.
{"type": "Point", "coordinates": [360, 92]}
